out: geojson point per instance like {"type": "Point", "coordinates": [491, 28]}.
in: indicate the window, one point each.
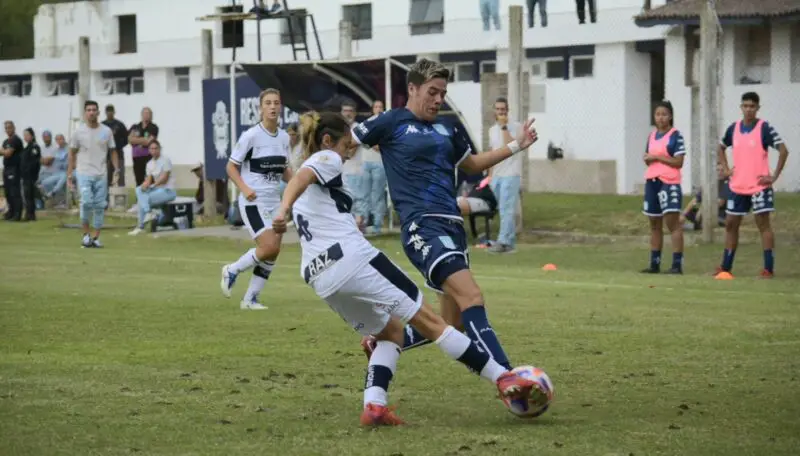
{"type": "Point", "coordinates": [297, 18]}
{"type": "Point", "coordinates": [61, 84]}
{"type": "Point", "coordinates": [752, 54]}
{"type": "Point", "coordinates": [555, 69]}
{"type": "Point", "coordinates": [582, 67]}
{"type": "Point", "coordinates": [180, 80]}
{"type": "Point", "coordinates": [360, 17]}
{"type": "Point", "coordinates": [488, 67]}
{"type": "Point", "coordinates": [26, 88]}
{"type": "Point", "coordinates": [137, 84]}
{"type": "Point", "coordinates": [461, 71]}
{"type": "Point", "coordinates": [126, 26]}
{"type": "Point", "coordinates": [426, 17]}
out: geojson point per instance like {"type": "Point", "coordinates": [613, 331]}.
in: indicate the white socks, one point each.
{"type": "Point", "coordinates": [458, 346]}
{"type": "Point", "coordinates": [245, 262]}
{"type": "Point", "coordinates": [382, 365]}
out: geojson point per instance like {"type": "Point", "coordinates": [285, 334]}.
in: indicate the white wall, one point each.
{"type": "Point", "coordinates": [779, 100]}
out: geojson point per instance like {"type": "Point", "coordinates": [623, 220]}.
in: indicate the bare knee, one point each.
{"type": "Point", "coordinates": [763, 222]}
{"type": "Point", "coordinates": [428, 323]}
{"type": "Point", "coordinates": [462, 288]}
{"type": "Point", "coordinates": [732, 223]}
{"type": "Point", "coordinates": [268, 246]}
{"type": "Point", "coordinates": [393, 332]}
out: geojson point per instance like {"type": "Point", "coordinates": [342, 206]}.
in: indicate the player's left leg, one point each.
{"type": "Point", "coordinates": [656, 244]}
{"type": "Point", "coordinates": [737, 207]}
{"type": "Point", "coordinates": [673, 222]}
{"type": "Point", "coordinates": [100, 192]}
{"type": "Point", "coordinates": [268, 247]}
{"type": "Point", "coordinates": [763, 205]}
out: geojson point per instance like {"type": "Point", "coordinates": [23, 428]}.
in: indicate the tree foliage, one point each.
{"type": "Point", "coordinates": [16, 33]}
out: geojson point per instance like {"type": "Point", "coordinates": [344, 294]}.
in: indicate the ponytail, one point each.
{"type": "Point", "coordinates": [314, 126]}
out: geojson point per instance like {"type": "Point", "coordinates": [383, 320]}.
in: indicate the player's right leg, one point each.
{"type": "Point", "coordinates": [763, 205]}
{"type": "Point", "coordinates": [262, 258]}
{"type": "Point", "coordinates": [86, 210]}
{"type": "Point", "coordinates": [738, 206]}
{"type": "Point", "coordinates": [652, 209]}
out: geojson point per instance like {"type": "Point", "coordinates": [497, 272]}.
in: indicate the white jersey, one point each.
{"type": "Point", "coordinates": [263, 158]}
{"type": "Point", "coordinates": [333, 247]}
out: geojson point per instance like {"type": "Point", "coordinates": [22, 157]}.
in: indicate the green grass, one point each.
{"type": "Point", "coordinates": [132, 350]}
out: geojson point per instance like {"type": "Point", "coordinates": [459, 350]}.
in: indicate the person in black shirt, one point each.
{"type": "Point", "coordinates": [30, 163]}
{"type": "Point", "coordinates": [12, 153]}
{"type": "Point", "coordinates": [140, 136]}
{"type": "Point", "coordinates": [120, 140]}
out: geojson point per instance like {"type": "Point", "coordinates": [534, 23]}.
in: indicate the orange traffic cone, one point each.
{"type": "Point", "coordinates": [549, 267]}
{"type": "Point", "coordinates": [724, 275]}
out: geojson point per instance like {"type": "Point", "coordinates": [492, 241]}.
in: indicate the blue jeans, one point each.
{"type": "Point", "coordinates": [490, 9]}
{"type": "Point", "coordinates": [54, 183]}
{"type": "Point", "coordinates": [506, 190]}
{"type": "Point", "coordinates": [146, 199]}
{"type": "Point", "coordinates": [354, 182]}
{"type": "Point", "coordinates": [94, 193]}
{"type": "Point", "coordinates": [374, 186]}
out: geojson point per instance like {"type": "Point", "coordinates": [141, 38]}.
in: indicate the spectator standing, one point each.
{"type": "Point", "coordinates": [581, 6]}
{"type": "Point", "coordinates": [295, 147]}
{"type": "Point", "coordinates": [158, 187]}
{"type": "Point", "coordinates": [542, 12]}
{"type": "Point", "coordinates": [374, 180]}
{"type": "Point", "coordinates": [199, 195]}
{"type": "Point", "coordinates": [53, 175]}
{"type": "Point", "coordinates": [353, 169]}
{"type": "Point", "coordinates": [120, 132]}
{"type": "Point", "coordinates": [12, 155]}
{"type": "Point", "coordinates": [30, 163]}
{"type": "Point", "coordinates": [505, 177]}
{"type": "Point", "coordinates": [88, 152]}
{"type": "Point", "coordinates": [490, 10]}
{"type": "Point", "coordinates": [140, 136]}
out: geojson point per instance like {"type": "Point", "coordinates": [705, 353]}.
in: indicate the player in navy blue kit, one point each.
{"type": "Point", "coordinates": [421, 154]}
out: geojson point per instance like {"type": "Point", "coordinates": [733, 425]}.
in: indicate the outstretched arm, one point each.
{"type": "Point", "coordinates": [474, 164]}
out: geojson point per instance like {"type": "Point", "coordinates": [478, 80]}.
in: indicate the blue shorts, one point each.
{"type": "Point", "coordinates": [661, 198]}
{"type": "Point", "coordinates": [761, 202]}
{"type": "Point", "coordinates": [437, 247]}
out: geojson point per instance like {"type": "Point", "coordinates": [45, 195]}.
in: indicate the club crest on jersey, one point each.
{"type": "Point", "coordinates": [441, 129]}
{"type": "Point", "coordinates": [219, 124]}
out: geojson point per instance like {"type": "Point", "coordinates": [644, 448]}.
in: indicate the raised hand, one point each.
{"type": "Point", "coordinates": [528, 135]}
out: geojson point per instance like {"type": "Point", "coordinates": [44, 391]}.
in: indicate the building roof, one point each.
{"type": "Point", "coordinates": [681, 12]}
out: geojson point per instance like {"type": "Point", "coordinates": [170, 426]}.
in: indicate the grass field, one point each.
{"type": "Point", "coordinates": [132, 350]}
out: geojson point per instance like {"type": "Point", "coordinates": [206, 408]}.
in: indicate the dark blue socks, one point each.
{"type": "Point", "coordinates": [655, 259]}
{"type": "Point", "coordinates": [480, 331]}
{"type": "Point", "coordinates": [727, 259]}
{"type": "Point", "coordinates": [677, 261]}
{"type": "Point", "coordinates": [413, 338]}
{"type": "Point", "coordinates": [769, 260]}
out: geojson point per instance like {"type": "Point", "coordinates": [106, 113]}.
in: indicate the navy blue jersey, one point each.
{"type": "Point", "coordinates": [420, 159]}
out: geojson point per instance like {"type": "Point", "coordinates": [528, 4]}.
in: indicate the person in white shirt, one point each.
{"type": "Point", "coordinates": [374, 180]}
{"type": "Point", "coordinates": [89, 150]}
{"type": "Point", "coordinates": [358, 281]}
{"type": "Point", "coordinates": [158, 187]}
{"type": "Point", "coordinates": [257, 165]}
{"type": "Point", "coordinates": [505, 178]}
{"type": "Point", "coordinates": [354, 169]}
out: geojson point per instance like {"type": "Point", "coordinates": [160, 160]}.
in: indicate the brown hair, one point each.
{"type": "Point", "coordinates": [266, 92]}
{"type": "Point", "coordinates": [424, 70]}
{"type": "Point", "coordinates": [314, 126]}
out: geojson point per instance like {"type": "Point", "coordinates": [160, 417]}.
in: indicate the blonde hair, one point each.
{"type": "Point", "coordinates": [314, 126]}
{"type": "Point", "coordinates": [425, 70]}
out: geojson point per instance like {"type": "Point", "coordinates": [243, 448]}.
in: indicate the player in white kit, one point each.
{"type": "Point", "coordinates": [358, 281]}
{"type": "Point", "coordinates": [257, 165]}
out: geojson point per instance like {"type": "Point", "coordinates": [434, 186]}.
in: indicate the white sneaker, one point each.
{"type": "Point", "coordinates": [252, 305]}
{"type": "Point", "coordinates": [86, 241]}
{"type": "Point", "coordinates": [136, 231]}
{"type": "Point", "coordinates": [97, 244]}
{"type": "Point", "coordinates": [228, 279]}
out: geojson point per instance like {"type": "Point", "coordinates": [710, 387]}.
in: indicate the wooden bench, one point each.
{"type": "Point", "coordinates": [178, 214]}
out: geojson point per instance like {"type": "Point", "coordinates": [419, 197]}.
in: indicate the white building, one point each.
{"type": "Point", "coordinates": [594, 83]}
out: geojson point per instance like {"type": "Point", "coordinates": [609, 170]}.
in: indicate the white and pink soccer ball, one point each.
{"type": "Point", "coordinates": [538, 402]}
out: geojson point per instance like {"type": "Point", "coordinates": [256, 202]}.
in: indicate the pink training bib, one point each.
{"type": "Point", "coordinates": [750, 160]}
{"type": "Point", "coordinates": [658, 170]}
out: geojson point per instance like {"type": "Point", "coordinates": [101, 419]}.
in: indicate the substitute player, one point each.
{"type": "Point", "coordinates": [89, 148]}
{"type": "Point", "coordinates": [257, 165]}
{"type": "Point", "coordinates": [357, 280]}
{"type": "Point", "coordinates": [751, 180]}
{"type": "Point", "coordinates": [662, 190]}
{"type": "Point", "coordinates": [420, 154]}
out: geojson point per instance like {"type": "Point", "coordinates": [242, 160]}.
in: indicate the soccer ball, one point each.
{"type": "Point", "coordinates": [536, 404]}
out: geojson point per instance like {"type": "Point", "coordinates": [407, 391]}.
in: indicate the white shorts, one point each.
{"type": "Point", "coordinates": [257, 216]}
{"type": "Point", "coordinates": [476, 205]}
{"type": "Point", "coordinates": [372, 296]}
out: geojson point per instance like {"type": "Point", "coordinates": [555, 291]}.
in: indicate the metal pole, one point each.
{"type": "Point", "coordinates": [209, 187]}
{"type": "Point", "coordinates": [515, 99]}
{"type": "Point", "coordinates": [387, 80]}
{"type": "Point", "coordinates": [709, 127]}
{"type": "Point", "coordinates": [345, 40]}
{"type": "Point", "coordinates": [84, 85]}
{"type": "Point", "coordinates": [233, 135]}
